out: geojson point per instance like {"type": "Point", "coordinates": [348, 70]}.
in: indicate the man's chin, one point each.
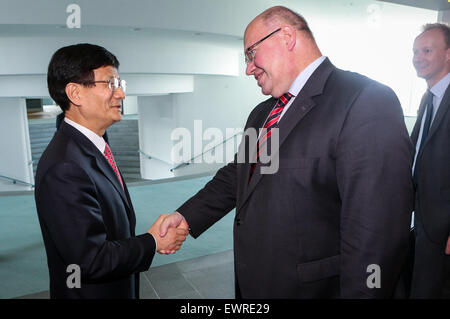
{"type": "Point", "coordinates": [265, 91]}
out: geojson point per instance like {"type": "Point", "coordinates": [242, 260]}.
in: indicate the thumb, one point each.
{"type": "Point", "coordinates": [168, 222]}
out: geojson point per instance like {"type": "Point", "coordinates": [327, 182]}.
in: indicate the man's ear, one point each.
{"type": "Point", "coordinates": [289, 36]}
{"type": "Point", "coordinates": [73, 92]}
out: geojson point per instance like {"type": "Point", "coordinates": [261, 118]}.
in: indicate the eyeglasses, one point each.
{"type": "Point", "coordinates": [114, 84]}
{"type": "Point", "coordinates": [250, 52]}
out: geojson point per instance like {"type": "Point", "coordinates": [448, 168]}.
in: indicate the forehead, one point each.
{"type": "Point", "coordinates": [106, 71]}
{"type": "Point", "coordinates": [433, 37]}
{"type": "Point", "coordinates": [254, 32]}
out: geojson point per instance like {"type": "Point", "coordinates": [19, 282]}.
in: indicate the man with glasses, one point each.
{"type": "Point", "coordinates": [333, 221]}
{"type": "Point", "coordinates": [84, 208]}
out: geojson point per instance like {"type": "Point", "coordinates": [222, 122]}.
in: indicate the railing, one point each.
{"type": "Point", "coordinates": [190, 161]}
{"type": "Point", "coordinates": [152, 157]}
{"type": "Point", "coordinates": [15, 180]}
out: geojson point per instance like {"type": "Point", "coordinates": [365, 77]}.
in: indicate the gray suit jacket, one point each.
{"type": "Point", "coordinates": [340, 201]}
{"type": "Point", "coordinates": [433, 185]}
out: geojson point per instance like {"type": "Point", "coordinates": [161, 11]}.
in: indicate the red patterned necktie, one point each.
{"type": "Point", "coordinates": [271, 122]}
{"type": "Point", "coordinates": [109, 156]}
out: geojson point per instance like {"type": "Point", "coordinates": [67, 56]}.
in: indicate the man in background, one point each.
{"type": "Point", "coordinates": [84, 208]}
{"type": "Point", "coordinates": [431, 169]}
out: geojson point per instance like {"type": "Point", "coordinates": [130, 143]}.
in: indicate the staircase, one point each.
{"type": "Point", "coordinates": [40, 135]}
{"type": "Point", "coordinates": [123, 139]}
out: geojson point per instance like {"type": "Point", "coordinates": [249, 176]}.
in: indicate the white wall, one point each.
{"type": "Point", "coordinates": [15, 144]}
{"type": "Point", "coordinates": [191, 51]}
{"type": "Point", "coordinates": [156, 122]}
{"type": "Point", "coordinates": [138, 54]}
{"type": "Point", "coordinates": [217, 102]}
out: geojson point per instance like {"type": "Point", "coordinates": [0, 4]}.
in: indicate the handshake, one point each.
{"type": "Point", "coordinates": [170, 232]}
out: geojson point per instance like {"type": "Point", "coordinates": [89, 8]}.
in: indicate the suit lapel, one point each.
{"type": "Point", "coordinates": [301, 106]}
{"type": "Point", "coordinates": [89, 148]}
{"type": "Point", "coordinates": [443, 109]}
{"type": "Point", "coordinates": [254, 124]}
{"type": "Point", "coordinates": [108, 171]}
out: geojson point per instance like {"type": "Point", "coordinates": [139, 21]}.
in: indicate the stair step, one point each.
{"type": "Point", "coordinates": [134, 176]}
{"type": "Point", "coordinates": [127, 169]}
{"type": "Point", "coordinates": [40, 140]}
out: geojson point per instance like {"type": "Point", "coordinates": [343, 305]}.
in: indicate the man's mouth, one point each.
{"type": "Point", "coordinates": [258, 77]}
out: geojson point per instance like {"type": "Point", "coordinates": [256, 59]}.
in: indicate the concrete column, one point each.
{"type": "Point", "coordinates": [15, 159]}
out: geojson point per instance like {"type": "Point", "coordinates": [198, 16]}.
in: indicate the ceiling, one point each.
{"type": "Point", "coordinates": [438, 5]}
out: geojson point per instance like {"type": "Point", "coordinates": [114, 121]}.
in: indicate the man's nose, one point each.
{"type": "Point", "coordinates": [250, 68]}
{"type": "Point", "coordinates": [119, 93]}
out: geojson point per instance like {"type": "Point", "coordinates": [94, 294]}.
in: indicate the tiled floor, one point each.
{"type": "Point", "coordinates": [207, 277]}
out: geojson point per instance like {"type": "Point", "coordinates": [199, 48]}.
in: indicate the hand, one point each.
{"type": "Point", "coordinates": [447, 248]}
{"type": "Point", "coordinates": [172, 240]}
{"type": "Point", "coordinates": [173, 220]}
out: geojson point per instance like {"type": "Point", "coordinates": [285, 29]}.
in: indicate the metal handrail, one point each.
{"type": "Point", "coordinates": [15, 180]}
{"type": "Point", "coordinates": [152, 157]}
{"type": "Point", "coordinates": [190, 161]}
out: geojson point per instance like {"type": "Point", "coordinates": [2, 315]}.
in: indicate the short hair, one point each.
{"type": "Point", "coordinates": [440, 26]}
{"type": "Point", "coordinates": [75, 63]}
{"type": "Point", "coordinates": [282, 14]}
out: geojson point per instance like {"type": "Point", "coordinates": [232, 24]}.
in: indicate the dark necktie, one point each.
{"type": "Point", "coordinates": [425, 131]}
{"type": "Point", "coordinates": [271, 122]}
{"type": "Point", "coordinates": [109, 156]}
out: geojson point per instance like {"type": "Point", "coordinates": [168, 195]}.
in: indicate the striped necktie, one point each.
{"type": "Point", "coordinates": [271, 122]}
{"type": "Point", "coordinates": [109, 156]}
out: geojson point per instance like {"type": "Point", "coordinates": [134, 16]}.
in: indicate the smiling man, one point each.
{"type": "Point", "coordinates": [431, 170]}
{"type": "Point", "coordinates": [84, 208]}
{"type": "Point", "coordinates": [340, 202]}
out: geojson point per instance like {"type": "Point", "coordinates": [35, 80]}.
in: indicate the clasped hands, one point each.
{"type": "Point", "coordinates": [170, 232]}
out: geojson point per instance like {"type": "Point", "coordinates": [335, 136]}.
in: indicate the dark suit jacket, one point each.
{"type": "Point", "coordinates": [87, 219]}
{"type": "Point", "coordinates": [433, 185]}
{"type": "Point", "coordinates": [340, 201]}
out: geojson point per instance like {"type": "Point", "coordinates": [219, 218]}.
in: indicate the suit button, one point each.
{"type": "Point", "coordinates": [238, 222]}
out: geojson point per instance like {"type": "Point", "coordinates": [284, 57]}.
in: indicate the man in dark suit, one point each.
{"type": "Point", "coordinates": [84, 208]}
{"type": "Point", "coordinates": [431, 170]}
{"type": "Point", "coordinates": [333, 220]}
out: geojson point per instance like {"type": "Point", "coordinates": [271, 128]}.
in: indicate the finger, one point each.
{"type": "Point", "coordinates": [172, 220]}
{"type": "Point", "coordinates": [182, 231]}
{"type": "Point", "coordinates": [164, 226]}
{"type": "Point", "coordinates": [447, 248]}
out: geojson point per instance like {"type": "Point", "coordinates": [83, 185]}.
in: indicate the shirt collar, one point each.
{"type": "Point", "coordinates": [439, 88]}
{"type": "Point", "coordinates": [98, 141]}
{"type": "Point", "coordinates": [303, 77]}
